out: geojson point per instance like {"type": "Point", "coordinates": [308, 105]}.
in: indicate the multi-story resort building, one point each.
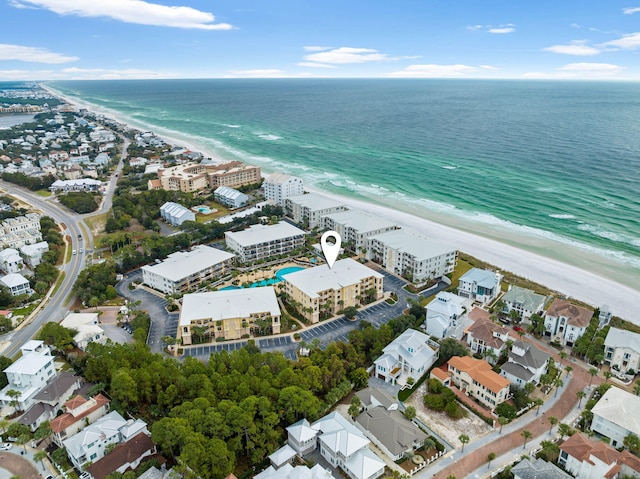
{"type": "Point", "coordinates": [193, 177]}
{"type": "Point", "coordinates": [263, 241]}
{"type": "Point", "coordinates": [622, 350]}
{"type": "Point", "coordinates": [309, 209]}
{"type": "Point", "coordinates": [20, 231]}
{"type": "Point", "coordinates": [187, 270]}
{"type": "Point", "coordinates": [477, 379]}
{"type": "Point", "coordinates": [332, 289]}
{"type": "Point", "coordinates": [355, 226]}
{"type": "Point", "coordinates": [279, 186]}
{"type": "Point", "coordinates": [229, 314]}
{"type": "Point", "coordinates": [411, 255]}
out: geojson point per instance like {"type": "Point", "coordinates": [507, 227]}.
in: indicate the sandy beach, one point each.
{"type": "Point", "coordinates": [569, 280]}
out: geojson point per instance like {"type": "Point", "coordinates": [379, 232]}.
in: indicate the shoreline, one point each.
{"type": "Point", "coordinates": [573, 281]}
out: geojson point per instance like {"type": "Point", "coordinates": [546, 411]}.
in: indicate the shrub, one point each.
{"type": "Point", "coordinates": [506, 410]}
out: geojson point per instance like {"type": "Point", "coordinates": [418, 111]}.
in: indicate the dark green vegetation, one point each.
{"type": "Point", "coordinates": [96, 284]}
{"type": "Point", "coordinates": [29, 182]}
{"type": "Point", "coordinates": [590, 345]}
{"type": "Point", "coordinates": [441, 398]}
{"type": "Point", "coordinates": [80, 201]}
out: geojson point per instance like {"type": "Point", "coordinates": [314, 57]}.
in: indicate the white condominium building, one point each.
{"type": "Point", "coordinates": [263, 241]}
{"type": "Point", "coordinates": [229, 314]}
{"type": "Point", "coordinates": [309, 209]}
{"type": "Point", "coordinates": [279, 186]}
{"type": "Point", "coordinates": [186, 270]}
{"type": "Point", "coordinates": [332, 289]}
{"type": "Point", "coordinates": [411, 255]}
{"type": "Point", "coordinates": [20, 231]}
{"type": "Point", "coordinates": [355, 226]}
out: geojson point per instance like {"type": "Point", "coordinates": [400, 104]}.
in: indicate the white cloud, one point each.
{"type": "Point", "coordinates": [131, 11]}
{"type": "Point", "coordinates": [315, 65]}
{"type": "Point", "coordinates": [32, 54]}
{"type": "Point", "coordinates": [437, 71]}
{"type": "Point", "coordinates": [579, 71]}
{"type": "Point", "coordinates": [591, 67]}
{"type": "Point", "coordinates": [627, 42]}
{"type": "Point", "coordinates": [488, 67]}
{"type": "Point", "coordinates": [315, 48]}
{"type": "Point", "coordinates": [263, 73]}
{"type": "Point", "coordinates": [502, 30]}
{"type": "Point", "coordinates": [630, 10]}
{"type": "Point", "coordinates": [577, 47]}
{"type": "Point", "coordinates": [82, 74]}
{"type": "Point", "coordinates": [345, 55]}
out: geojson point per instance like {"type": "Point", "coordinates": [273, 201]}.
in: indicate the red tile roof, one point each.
{"type": "Point", "coordinates": [65, 420]}
{"type": "Point", "coordinates": [480, 371]}
{"type": "Point", "coordinates": [577, 315]}
{"type": "Point", "coordinates": [123, 454]}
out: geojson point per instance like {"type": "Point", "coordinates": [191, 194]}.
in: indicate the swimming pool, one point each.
{"type": "Point", "coordinates": [267, 282]}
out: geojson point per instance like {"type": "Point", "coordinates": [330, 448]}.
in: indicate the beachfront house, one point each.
{"type": "Point", "coordinates": [565, 322]}
{"type": "Point", "coordinates": [279, 186]}
{"type": "Point", "coordinates": [526, 364]}
{"type": "Point", "coordinates": [616, 415]}
{"type": "Point", "coordinates": [480, 285]}
{"type": "Point", "coordinates": [355, 226]}
{"type": "Point", "coordinates": [264, 241]}
{"type": "Point", "coordinates": [622, 351]}
{"type": "Point", "coordinates": [229, 314]}
{"type": "Point", "coordinates": [476, 378]}
{"type": "Point", "coordinates": [411, 255]}
{"type": "Point", "coordinates": [410, 355]}
{"type": "Point", "coordinates": [308, 210]}
{"type": "Point", "coordinates": [443, 314]}
{"type": "Point", "coordinates": [523, 301]}
{"type": "Point", "coordinates": [186, 270]}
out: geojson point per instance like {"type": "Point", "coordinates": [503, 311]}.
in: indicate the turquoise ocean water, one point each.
{"type": "Point", "coordinates": [553, 167]}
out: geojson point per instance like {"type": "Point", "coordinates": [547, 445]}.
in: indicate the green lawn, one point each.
{"type": "Point", "coordinates": [43, 193]}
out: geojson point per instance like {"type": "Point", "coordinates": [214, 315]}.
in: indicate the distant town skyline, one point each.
{"type": "Point", "coordinates": [138, 39]}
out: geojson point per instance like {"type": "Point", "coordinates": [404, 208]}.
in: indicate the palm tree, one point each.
{"type": "Point", "coordinates": [607, 375]}
{"type": "Point", "coordinates": [581, 394]}
{"type": "Point", "coordinates": [526, 435]}
{"type": "Point", "coordinates": [564, 430]}
{"type": "Point", "coordinates": [490, 457]}
{"type": "Point", "coordinates": [593, 372]}
{"type": "Point", "coordinates": [464, 439]}
{"type": "Point", "coordinates": [502, 420]}
{"type": "Point", "coordinates": [563, 356]}
{"type": "Point", "coordinates": [429, 444]}
{"type": "Point", "coordinates": [538, 402]}
{"type": "Point", "coordinates": [529, 388]}
{"type": "Point", "coordinates": [40, 456]}
{"type": "Point", "coordinates": [558, 384]}
{"type": "Point", "coordinates": [553, 421]}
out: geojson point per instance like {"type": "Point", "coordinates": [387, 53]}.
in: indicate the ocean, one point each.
{"type": "Point", "coordinates": [551, 167]}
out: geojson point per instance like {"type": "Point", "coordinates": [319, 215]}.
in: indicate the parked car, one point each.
{"type": "Point", "coordinates": [517, 328]}
{"type": "Point", "coordinates": [6, 446]}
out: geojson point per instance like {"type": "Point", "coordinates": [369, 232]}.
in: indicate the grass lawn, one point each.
{"type": "Point", "coordinates": [43, 193]}
{"type": "Point", "coordinates": [96, 223]}
{"type": "Point", "coordinates": [26, 311]}
{"type": "Point", "coordinates": [222, 211]}
{"type": "Point", "coordinates": [465, 263]}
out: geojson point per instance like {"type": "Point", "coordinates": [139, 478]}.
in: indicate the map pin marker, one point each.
{"type": "Point", "coordinates": [330, 250]}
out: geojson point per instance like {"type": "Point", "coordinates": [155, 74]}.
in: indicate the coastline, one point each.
{"type": "Point", "coordinates": [571, 280]}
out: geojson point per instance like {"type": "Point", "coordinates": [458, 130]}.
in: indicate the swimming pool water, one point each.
{"type": "Point", "coordinates": [267, 282]}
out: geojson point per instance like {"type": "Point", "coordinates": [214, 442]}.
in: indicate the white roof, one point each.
{"type": "Point", "coordinates": [229, 304]}
{"type": "Point", "coordinates": [282, 455]}
{"type": "Point", "coordinates": [87, 331]}
{"type": "Point", "coordinates": [29, 364]}
{"type": "Point", "coordinates": [414, 244]}
{"type": "Point", "coordinates": [482, 277]}
{"type": "Point", "coordinates": [257, 234]}
{"type": "Point", "coordinates": [345, 272]}
{"type": "Point", "coordinates": [618, 338]}
{"type": "Point", "coordinates": [446, 304]}
{"type": "Point", "coordinates": [14, 279]}
{"type": "Point", "coordinates": [278, 178]}
{"type": "Point", "coordinates": [364, 463]}
{"type": "Point", "coordinates": [621, 408]}
{"type": "Point", "coordinates": [301, 431]}
{"type": "Point", "coordinates": [185, 263]}
{"type": "Point", "coordinates": [31, 249]}
{"type": "Point", "coordinates": [73, 320]}
{"type": "Point", "coordinates": [9, 252]}
{"type": "Point", "coordinates": [360, 221]}
{"type": "Point", "coordinates": [314, 201]}
{"type": "Point", "coordinates": [104, 428]}
{"type": "Point", "coordinates": [299, 472]}
{"type": "Point", "coordinates": [412, 347]}
{"type": "Point", "coordinates": [230, 193]}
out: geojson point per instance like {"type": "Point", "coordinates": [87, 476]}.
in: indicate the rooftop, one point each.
{"type": "Point", "coordinates": [360, 221]}
{"type": "Point", "coordinates": [528, 299]}
{"type": "Point", "coordinates": [577, 315]}
{"type": "Point", "coordinates": [122, 454]}
{"type": "Point", "coordinates": [538, 469]}
{"type": "Point", "coordinates": [14, 279]}
{"type": "Point", "coordinates": [315, 202]}
{"type": "Point", "coordinates": [481, 277]}
{"type": "Point", "coordinates": [182, 264]}
{"type": "Point", "coordinates": [481, 371]}
{"type": "Point", "coordinates": [258, 234]}
{"type": "Point", "coordinates": [345, 272]}
{"type": "Point", "coordinates": [620, 408]}
{"type": "Point", "coordinates": [391, 428]}
{"type": "Point", "coordinates": [278, 178]}
{"type": "Point", "coordinates": [414, 244]}
{"type": "Point", "coordinates": [73, 320]}
{"type": "Point", "coordinates": [412, 347]}
{"type": "Point", "coordinates": [488, 332]}
{"type": "Point", "coordinates": [619, 338]}
{"type": "Point", "coordinates": [527, 355]}
{"type": "Point", "coordinates": [229, 304]}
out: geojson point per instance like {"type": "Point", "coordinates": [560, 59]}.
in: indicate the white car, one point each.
{"type": "Point", "coordinates": [6, 446]}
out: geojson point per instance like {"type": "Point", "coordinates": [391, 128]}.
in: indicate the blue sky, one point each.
{"type": "Point", "coordinates": [114, 39]}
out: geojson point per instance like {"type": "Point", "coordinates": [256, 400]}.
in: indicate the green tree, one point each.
{"type": "Point", "coordinates": [538, 402]}
{"type": "Point", "coordinates": [59, 337]}
{"type": "Point", "coordinates": [552, 422]}
{"type": "Point", "coordinates": [632, 442]}
{"type": "Point", "coordinates": [464, 439]}
{"type": "Point", "coordinates": [354, 408]}
{"type": "Point", "coordinates": [490, 457]}
{"type": "Point", "coordinates": [449, 348]}
{"type": "Point", "coordinates": [564, 430]}
{"type": "Point", "coordinates": [410, 413]}
{"type": "Point", "coordinates": [503, 420]}
{"type": "Point", "coordinates": [568, 369]}
{"type": "Point", "coordinates": [360, 378]}
{"type": "Point", "coordinates": [581, 395]}
{"type": "Point", "coordinates": [526, 435]}
{"type": "Point", "coordinates": [593, 372]}
{"type": "Point", "coordinates": [40, 456]}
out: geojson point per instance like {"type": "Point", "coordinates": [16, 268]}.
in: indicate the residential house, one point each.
{"type": "Point", "coordinates": [33, 253]}
{"type": "Point", "coordinates": [73, 173]}
{"type": "Point", "coordinates": [285, 455]}
{"type": "Point", "coordinates": [443, 312]}
{"type": "Point", "coordinates": [319, 288]}
{"type": "Point", "coordinates": [388, 428]}
{"type": "Point", "coordinates": [125, 456]}
{"type": "Point", "coordinates": [587, 459]}
{"type": "Point", "coordinates": [176, 214]}
{"type": "Point", "coordinates": [17, 284]}
{"type": "Point", "coordinates": [487, 338]}
{"type": "Point", "coordinates": [411, 255]}
{"type": "Point", "coordinates": [230, 197]}
{"type": "Point", "coordinates": [302, 437]}
{"type": "Point", "coordinates": [229, 314]}
{"type": "Point", "coordinates": [28, 375]}
{"type": "Point", "coordinates": [523, 301]}
{"type": "Point", "coordinates": [477, 379]}
{"type": "Point", "coordinates": [355, 227]}
{"type": "Point", "coordinates": [138, 161]}
{"type": "Point", "coordinates": [10, 261]}
{"type": "Point", "coordinates": [88, 446]}
{"type": "Point", "coordinates": [372, 397]}
{"type": "Point", "coordinates": [288, 471]}
{"type": "Point", "coordinates": [78, 412]}
{"type": "Point", "coordinates": [264, 241]}
{"type": "Point", "coordinates": [622, 350]}
{"type": "Point", "coordinates": [279, 186]}
{"type": "Point", "coordinates": [616, 415]}
{"type": "Point", "coordinates": [86, 325]}
{"type": "Point", "coordinates": [566, 322]}
{"type": "Point", "coordinates": [410, 355]}
{"type": "Point", "coordinates": [526, 364]}
{"type": "Point", "coordinates": [309, 209]}
{"type": "Point", "coordinates": [481, 285]}
{"type": "Point", "coordinates": [537, 469]}
{"type": "Point", "coordinates": [186, 270]}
